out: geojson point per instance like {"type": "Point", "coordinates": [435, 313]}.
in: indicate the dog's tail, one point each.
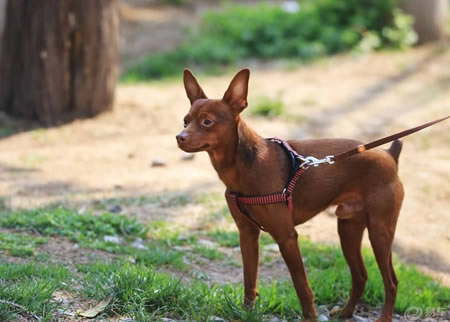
{"type": "Point", "coordinates": [395, 149]}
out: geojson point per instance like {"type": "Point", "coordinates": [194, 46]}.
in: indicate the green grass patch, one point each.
{"type": "Point", "coordinates": [231, 238]}
{"type": "Point", "coordinates": [71, 224]}
{"type": "Point", "coordinates": [31, 286]}
{"type": "Point", "coordinates": [164, 233]}
{"type": "Point", "coordinates": [164, 201]}
{"type": "Point", "coordinates": [108, 232]}
{"type": "Point", "coordinates": [209, 253]}
{"type": "Point", "coordinates": [267, 107]}
{"type": "Point", "coordinates": [331, 280]}
{"type": "Point", "coordinates": [6, 130]}
{"type": "Point", "coordinates": [320, 28]}
{"type": "Point", "coordinates": [159, 256]}
{"type": "Point", "coordinates": [141, 293]}
{"type": "Point", "coordinates": [20, 245]}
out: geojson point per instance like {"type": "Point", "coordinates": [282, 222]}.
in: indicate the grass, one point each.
{"type": "Point", "coordinates": [30, 287]}
{"type": "Point", "coordinates": [330, 279]}
{"type": "Point", "coordinates": [20, 245]}
{"type": "Point", "coordinates": [164, 201]}
{"type": "Point", "coordinates": [267, 107]}
{"type": "Point", "coordinates": [108, 232]}
{"type": "Point", "coordinates": [140, 292]}
{"type": "Point", "coordinates": [143, 294]}
{"type": "Point", "coordinates": [209, 253]}
{"type": "Point", "coordinates": [241, 33]}
{"type": "Point", "coordinates": [231, 238]}
{"type": "Point", "coordinates": [158, 256]}
{"type": "Point", "coordinates": [78, 227]}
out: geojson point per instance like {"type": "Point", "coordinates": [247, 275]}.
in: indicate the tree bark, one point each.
{"type": "Point", "coordinates": [59, 59]}
{"type": "Point", "coordinates": [431, 18]}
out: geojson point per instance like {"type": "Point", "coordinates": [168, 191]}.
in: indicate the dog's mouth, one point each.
{"type": "Point", "coordinates": [191, 148]}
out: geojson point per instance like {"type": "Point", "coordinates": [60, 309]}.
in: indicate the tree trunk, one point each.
{"type": "Point", "coordinates": [2, 17]}
{"type": "Point", "coordinates": [430, 18]}
{"type": "Point", "coordinates": [59, 59]}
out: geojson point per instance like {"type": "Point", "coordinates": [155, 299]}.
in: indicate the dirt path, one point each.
{"type": "Point", "coordinates": [361, 98]}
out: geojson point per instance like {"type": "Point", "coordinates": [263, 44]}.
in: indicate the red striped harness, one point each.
{"type": "Point", "coordinates": [299, 165]}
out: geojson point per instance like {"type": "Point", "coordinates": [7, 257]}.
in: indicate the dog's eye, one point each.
{"type": "Point", "coordinates": [207, 122]}
{"type": "Point", "coordinates": [185, 123]}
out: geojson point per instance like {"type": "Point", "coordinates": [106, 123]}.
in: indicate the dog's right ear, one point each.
{"type": "Point", "coordinates": [193, 89]}
{"type": "Point", "coordinates": [236, 94]}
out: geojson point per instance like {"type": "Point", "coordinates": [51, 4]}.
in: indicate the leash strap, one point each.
{"type": "Point", "coordinates": [374, 144]}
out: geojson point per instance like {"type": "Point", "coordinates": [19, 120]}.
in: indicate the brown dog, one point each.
{"type": "Point", "coordinates": [365, 188]}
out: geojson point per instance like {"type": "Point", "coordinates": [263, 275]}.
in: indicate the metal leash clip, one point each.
{"type": "Point", "coordinates": [312, 161]}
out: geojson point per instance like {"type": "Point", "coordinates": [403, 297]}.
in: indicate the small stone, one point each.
{"type": "Point", "coordinates": [115, 209]}
{"type": "Point", "coordinates": [75, 246]}
{"type": "Point", "coordinates": [82, 209]}
{"type": "Point", "coordinates": [182, 248]}
{"type": "Point", "coordinates": [272, 248]}
{"type": "Point", "coordinates": [187, 156]}
{"type": "Point", "coordinates": [112, 239]}
{"type": "Point", "coordinates": [323, 309]}
{"type": "Point", "coordinates": [158, 163]}
{"type": "Point", "coordinates": [360, 319]}
{"type": "Point", "coordinates": [334, 310]}
{"type": "Point", "coordinates": [138, 244]}
{"type": "Point", "coordinates": [206, 243]}
{"type": "Point", "coordinates": [323, 317]}
{"type": "Point", "coordinates": [62, 312]}
{"type": "Point", "coordinates": [290, 6]}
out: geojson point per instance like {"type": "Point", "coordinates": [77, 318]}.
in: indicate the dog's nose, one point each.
{"type": "Point", "coordinates": [182, 137]}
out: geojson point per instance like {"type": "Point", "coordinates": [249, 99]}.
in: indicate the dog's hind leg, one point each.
{"type": "Point", "coordinates": [381, 226]}
{"type": "Point", "coordinates": [351, 233]}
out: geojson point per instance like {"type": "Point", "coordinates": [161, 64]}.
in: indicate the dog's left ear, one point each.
{"type": "Point", "coordinates": [236, 94]}
{"type": "Point", "coordinates": [193, 89]}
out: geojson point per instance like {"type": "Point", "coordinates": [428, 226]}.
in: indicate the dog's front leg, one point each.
{"type": "Point", "coordinates": [249, 243]}
{"type": "Point", "coordinates": [288, 244]}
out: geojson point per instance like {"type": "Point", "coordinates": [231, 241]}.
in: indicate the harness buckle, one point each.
{"type": "Point", "coordinates": [312, 161]}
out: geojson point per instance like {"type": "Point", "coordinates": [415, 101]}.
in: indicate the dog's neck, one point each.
{"type": "Point", "coordinates": [239, 152]}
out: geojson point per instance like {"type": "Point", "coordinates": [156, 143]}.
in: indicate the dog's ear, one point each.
{"type": "Point", "coordinates": [193, 89]}
{"type": "Point", "coordinates": [236, 94]}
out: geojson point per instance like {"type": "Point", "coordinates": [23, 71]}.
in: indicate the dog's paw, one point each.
{"type": "Point", "coordinates": [384, 319]}
{"type": "Point", "coordinates": [341, 313]}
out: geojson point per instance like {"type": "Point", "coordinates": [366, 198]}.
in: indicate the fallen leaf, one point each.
{"type": "Point", "coordinates": [100, 307]}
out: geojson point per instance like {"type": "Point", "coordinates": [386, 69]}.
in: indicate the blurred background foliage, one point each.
{"type": "Point", "coordinates": [301, 30]}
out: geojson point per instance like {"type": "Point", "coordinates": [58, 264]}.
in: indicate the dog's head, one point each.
{"type": "Point", "coordinates": [209, 121]}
